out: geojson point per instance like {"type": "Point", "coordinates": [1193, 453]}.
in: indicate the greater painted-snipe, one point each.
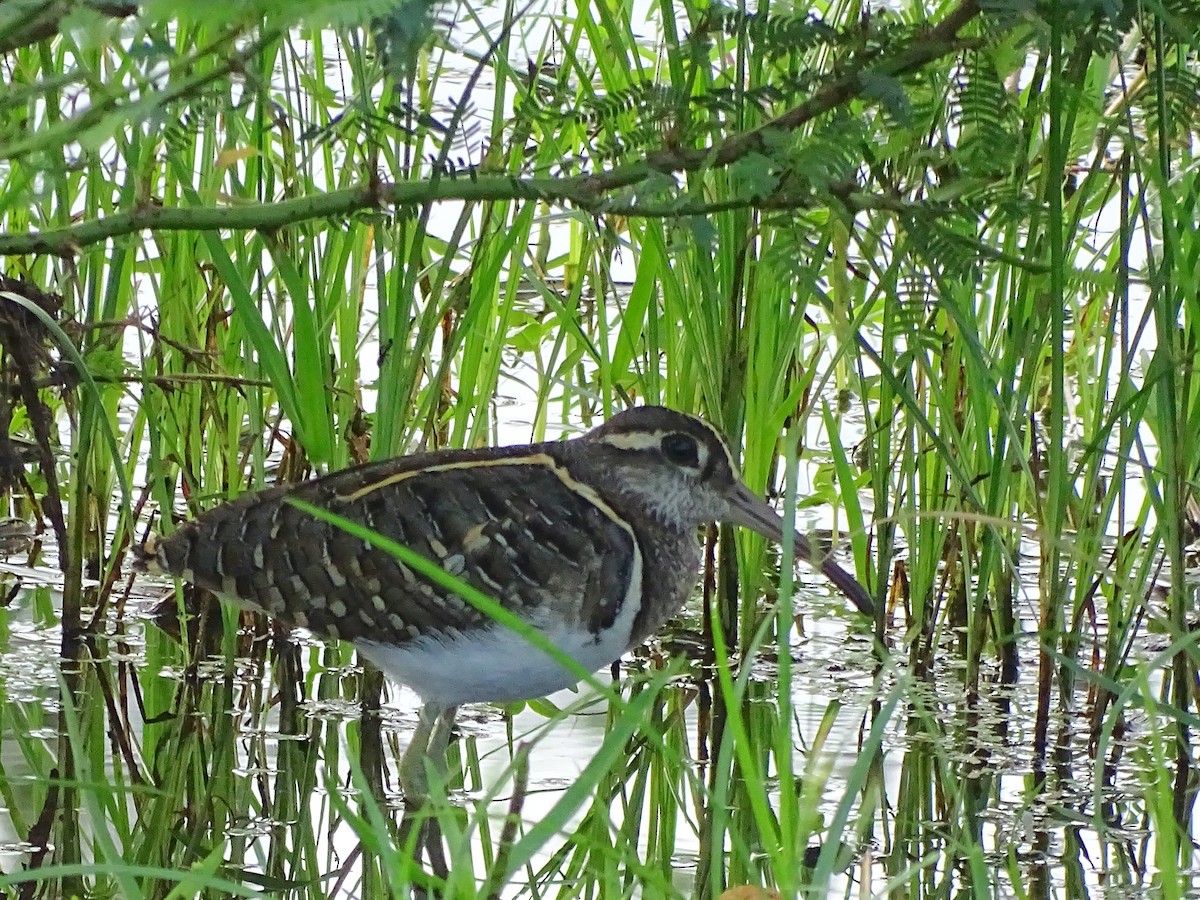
{"type": "Point", "coordinates": [592, 541]}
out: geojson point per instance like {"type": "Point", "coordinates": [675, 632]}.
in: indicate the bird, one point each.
{"type": "Point", "coordinates": [593, 542]}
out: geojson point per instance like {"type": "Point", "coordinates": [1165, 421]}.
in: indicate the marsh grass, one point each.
{"type": "Point", "coordinates": [935, 276]}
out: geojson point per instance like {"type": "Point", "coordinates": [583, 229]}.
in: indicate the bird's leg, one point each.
{"type": "Point", "coordinates": [439, 739]}
{"type": "Point", "coordinates": [414, 783]}
{"type": "Point", "coordinates": [427, 747]}
{"type": "Point", "coordinates": [413, 780]}
{"type": "Point", "coordinates": [435, 758]}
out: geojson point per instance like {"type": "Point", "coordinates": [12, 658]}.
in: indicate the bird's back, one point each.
{"type": "Point", "coordinates": [515, 526]}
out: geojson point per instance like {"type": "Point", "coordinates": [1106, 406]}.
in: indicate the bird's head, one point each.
{"type": "Point", "coordinates": [678, 469]}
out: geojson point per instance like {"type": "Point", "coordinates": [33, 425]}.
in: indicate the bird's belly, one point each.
{"type": "Point", "coordinates": [493, 665]}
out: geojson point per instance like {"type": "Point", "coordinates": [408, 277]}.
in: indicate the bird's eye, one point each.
{"type": "Point", "coordinates": [681, 450]}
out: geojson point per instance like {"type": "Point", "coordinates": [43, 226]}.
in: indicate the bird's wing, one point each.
{"type": "Point", "coordinates": [517, 528]}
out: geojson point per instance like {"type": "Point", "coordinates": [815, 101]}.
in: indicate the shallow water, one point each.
{"type": "Point", "coordinates": [289, 746]}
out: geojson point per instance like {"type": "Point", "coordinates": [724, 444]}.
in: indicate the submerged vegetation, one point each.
{"type": "Point", "coordinates": [932, 268]}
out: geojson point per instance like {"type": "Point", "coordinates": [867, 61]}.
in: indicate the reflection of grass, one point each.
{"type": "Point", "coordinates": [994, 394]}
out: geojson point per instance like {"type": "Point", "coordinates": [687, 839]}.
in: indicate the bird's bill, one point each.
{"type": "Point", "coordinates": [748, 509]}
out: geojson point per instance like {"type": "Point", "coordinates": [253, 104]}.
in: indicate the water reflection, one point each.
{"type": "Point", "coordinates": [261, 755]}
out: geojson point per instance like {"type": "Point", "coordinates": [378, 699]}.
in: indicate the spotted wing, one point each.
{"type": "Point", "coordinates": [519, 529]}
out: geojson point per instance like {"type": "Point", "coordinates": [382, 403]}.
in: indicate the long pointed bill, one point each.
{"type": "Point", "coordinates": [748, 509]}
